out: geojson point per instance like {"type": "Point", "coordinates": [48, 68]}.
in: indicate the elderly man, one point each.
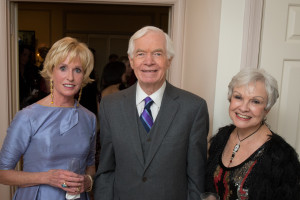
{"type": "Point", "coordinates": [153, 135]}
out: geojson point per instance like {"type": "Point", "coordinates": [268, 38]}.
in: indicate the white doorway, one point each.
{"type": "Point", "coordinates": [280, 47]}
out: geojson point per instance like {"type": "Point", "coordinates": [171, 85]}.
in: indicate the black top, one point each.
{"type": "Point", "coordinates": [271, 172]}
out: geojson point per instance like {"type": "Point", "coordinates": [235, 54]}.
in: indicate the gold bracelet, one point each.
{"type": "Point", "coordinates": [91, 186]}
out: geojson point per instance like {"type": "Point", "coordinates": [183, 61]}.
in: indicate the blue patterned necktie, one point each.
{"type": "Point", "coordinates": [146, 116]}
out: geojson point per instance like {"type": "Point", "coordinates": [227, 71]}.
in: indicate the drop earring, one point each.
{"type": "Point", "coordinates": [51, 90]}
{"type": "Point", "coordinates": [79, 96]}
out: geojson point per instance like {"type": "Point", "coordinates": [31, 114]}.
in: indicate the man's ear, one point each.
{"type": "Point", "coordinates": [130, 61]}
{"type": "Point", "coordinates": [170, 61]}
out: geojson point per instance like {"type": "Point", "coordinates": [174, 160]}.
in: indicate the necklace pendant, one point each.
{"type": "Point", "coordinates": [236, 148]}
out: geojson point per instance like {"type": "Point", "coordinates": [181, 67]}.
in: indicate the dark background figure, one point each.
{"type": "Point", "coordinates": [129, 74]}
{"type": "Point", "coordinates": [29, 77]}
{"type": "Point", "coordinates": [89, 97]}
{"type": "Point", "coordinates": [43, 53]}
{"type": "Point", "coordinates": [113, 78]}
{"type": "Point", "coordinates": [113, 57]}
{"type": "Point", "coordinates": [112, 81]}
{"type": "Point", "coordinates": [44, 85]}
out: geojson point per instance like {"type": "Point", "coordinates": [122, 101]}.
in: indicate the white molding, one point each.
{"type": "Point", "coordinates": [133, 2]}
{"type": "Point", "coordinates": [4, 89]}
{"type": "Point", "coordinates": [251, 33]}
{"type": "Point", "coordinates": [176, 30]}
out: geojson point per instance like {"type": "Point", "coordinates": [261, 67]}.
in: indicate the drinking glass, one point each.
{"type": "Point", "coordinates": [209, 196]}
{"type": "Point", "coordinates": [74, 165]}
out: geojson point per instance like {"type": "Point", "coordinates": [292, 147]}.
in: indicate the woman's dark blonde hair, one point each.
{"type": "Point", "coordinates": [71, 47]}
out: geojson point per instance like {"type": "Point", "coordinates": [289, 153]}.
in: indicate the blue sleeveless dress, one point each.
{"type": "Point", "coordinates": [48, 137]}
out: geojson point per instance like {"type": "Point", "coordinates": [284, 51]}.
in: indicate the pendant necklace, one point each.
{"type": "Point", "coordinates": [237, 146]}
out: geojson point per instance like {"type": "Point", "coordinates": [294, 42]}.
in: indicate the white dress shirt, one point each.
{"type": "Point", "coordinates": [156, 97]}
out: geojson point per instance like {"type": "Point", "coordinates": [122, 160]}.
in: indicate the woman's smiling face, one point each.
{"type": "Point", "coordinates": [67, 79]}
{"type": "Point", "coordinates": [247, 105]}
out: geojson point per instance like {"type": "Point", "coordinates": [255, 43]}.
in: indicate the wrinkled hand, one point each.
{"type": "Point", "coordinates": [75, 182]}
{"type": "Point", "coordinates": [84, 185]}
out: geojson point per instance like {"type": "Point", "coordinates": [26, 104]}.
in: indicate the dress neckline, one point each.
{"type": "Point", "coordinates": [76, 104]}
{"type": "Point", "coordinates": [245, 161]}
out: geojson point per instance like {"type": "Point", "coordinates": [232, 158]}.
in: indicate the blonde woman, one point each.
{"type": "Point", "coordinates": [54, 130]}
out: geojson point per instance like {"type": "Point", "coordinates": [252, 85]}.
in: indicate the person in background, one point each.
{"type": "Point", "coordinates": [29, 77]}
{"type": "Point", "coordinates": [113, 78]}
{"type": "Point", "coordinates": [89, 97]}
{"type": "Point", "coordinates": [44, 85]}
{"type": "Point", "coordinates": [51, 132]}
{"type": "Point", "coordinates": [42, 53]}
{"type": "Point", "coordinates": [158, 152]}
{"type": "Point", "coordinates": [113, 57]}
{"type": "Point", "coordinates": [247, 160]}
{"type": "Point", "coordinates": [129, 74]}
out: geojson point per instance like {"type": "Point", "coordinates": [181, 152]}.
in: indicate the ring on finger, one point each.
{"type": "Point", "coordinates": [64, 185]}
{"type": "Point", "coordinates": [78, 189]}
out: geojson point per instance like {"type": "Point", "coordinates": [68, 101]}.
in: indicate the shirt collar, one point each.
{"type": "Point", "coordinates": [156, 96]}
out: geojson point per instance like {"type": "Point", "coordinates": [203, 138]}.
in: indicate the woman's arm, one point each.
{"type": "Point", "coordinates": [89, 177]}
{"type": "Point", "coordinates": [55, 178]}
{"type": "Point", "coordinates": [20, 178]}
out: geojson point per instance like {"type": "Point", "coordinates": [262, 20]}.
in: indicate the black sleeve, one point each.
{"type": "Point", "coordinates": [277, 175]}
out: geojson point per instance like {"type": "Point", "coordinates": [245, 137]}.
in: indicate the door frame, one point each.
{"type": "Point", "coordinates": [252, 33]}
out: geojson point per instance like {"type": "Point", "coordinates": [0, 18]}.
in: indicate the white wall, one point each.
{"type": "Point", "coordinates": [229, 59]}
{"type": "Point", "coordinates": [200, 57]}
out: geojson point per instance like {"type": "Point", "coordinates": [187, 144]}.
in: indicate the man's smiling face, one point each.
{"type": "Point", "coordinates": [150, 62]}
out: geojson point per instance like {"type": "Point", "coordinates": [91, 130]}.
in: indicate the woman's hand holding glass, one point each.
{"type": "Point", "coordinates": [59, 178]}
{"type": "Point", "coordinates": [74, 166]}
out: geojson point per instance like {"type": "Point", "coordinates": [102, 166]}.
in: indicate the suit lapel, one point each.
{"type": "Point", "coordinates": [166, 114]}
{"type": "Point", "coordinates": [130, 116]}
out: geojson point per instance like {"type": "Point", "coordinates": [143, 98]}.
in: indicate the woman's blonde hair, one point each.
{"type": "Point", "coordinates": [71, 47]}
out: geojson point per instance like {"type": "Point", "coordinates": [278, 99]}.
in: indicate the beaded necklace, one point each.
{"type": "Point", "coordinates": [237, 146]}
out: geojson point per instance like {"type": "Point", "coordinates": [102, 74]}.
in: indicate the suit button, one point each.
{"type": "Point", "coordinates": [144, 179]}
{"type": "Point", "coordinates": [149, 140]}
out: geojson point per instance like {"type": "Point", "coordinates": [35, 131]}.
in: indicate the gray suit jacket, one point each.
{"type": "Point", "coordinates": [174, 167]}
